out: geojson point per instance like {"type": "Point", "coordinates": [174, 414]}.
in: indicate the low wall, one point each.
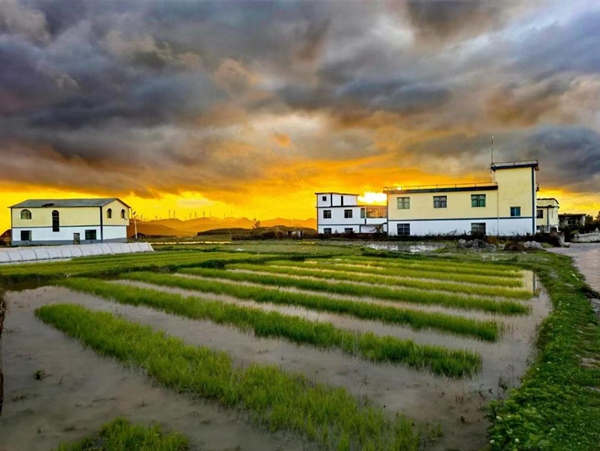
{"type": "Point", "coordinates": [44, 253]}
{"type": "Point", "coordinates": [593, 237]}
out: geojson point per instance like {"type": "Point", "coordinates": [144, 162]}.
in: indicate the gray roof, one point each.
{"type": "Point", "coordinates": [48, 203]}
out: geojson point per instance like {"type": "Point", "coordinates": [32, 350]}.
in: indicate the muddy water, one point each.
{"type": "Point", "coordinates": [455, 405]}
{"type": "Point", "coordinates": [80, 390]}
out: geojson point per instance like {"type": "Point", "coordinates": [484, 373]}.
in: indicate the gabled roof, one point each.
{"type": "Point", "coordinates": [49, 203]}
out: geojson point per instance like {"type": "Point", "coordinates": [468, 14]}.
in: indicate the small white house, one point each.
{"type": "Point", "coordinates": [342, 213]}
{"type": "Point", "coordinates": [547, 214]}
{"type": "Point", "coordinates": [69, 221]}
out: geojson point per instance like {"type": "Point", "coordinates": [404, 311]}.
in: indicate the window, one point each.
{"type": "Point", "coordinates": [25, 214]}
{"type": "Point", "coordinates": [403, 203]}
{"type": "Point", "coordinates": [348, 230]}
{"type": "Point", "coordinates": [323, 198]}
{"type": "Point", "coordinates": [25, 235]}
{"type": "Point", "coordinates": [55, 221]}
{"type": "Point", "coordinates": [347, 214]}
{"type": "Point", "coordinates": [478, 228]}
{"type": "Point", "coordinates": [363, 213]}
{"type": "Point", "coordinates": [440, 201]}
{"type": "Point", "coordinates": [540, 214]}
{"type": "Point", "coordinates": [90, 235]}
{"type": "Point", "coordinates": [123, 214]}
{"type": "Point", "coordinates": [109, 213]}
{"type": "Point", "coordinates": [326, 214]}
{"type": "Point", "coordinates": [327, 231]}
{"type": "Point", "coordinates": [515, 211]}
{"type": "Point", "coordinates": [477, 200]}
{"type": "Point", "coordinates": [403, 229]}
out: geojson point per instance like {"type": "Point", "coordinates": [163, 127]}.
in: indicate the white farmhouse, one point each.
{"type": "Point", "coordinates": [69, 221]}
{"type": "Point", "coordinates": [342, 213]}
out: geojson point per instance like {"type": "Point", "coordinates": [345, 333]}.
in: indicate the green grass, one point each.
{"type": "Point", "coordinates": [444, 266]}
{"type": "Point", "coordinates": [557, 406]}
{"type": "Point", "coordinates": [110, 265]}
{"type": "Point", "coordinates": [407, 295]}
{"type": "Point", "coordinates": [278, 401]}
{"type": "Point", "coordinates": [374, 279]}
{"type": "Point", "coordinates": [406, 272]}
{"type": "Point", "coordinates": [484, 330]}
{"type": "Point", "coordinates": [121, 435]}
{"type": "Point", "coordinates": [323, 335]}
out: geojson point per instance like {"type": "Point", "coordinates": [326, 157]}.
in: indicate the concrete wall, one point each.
{"type": "Point", "coordinates": [593, 237]}
{"type": "Point", "coordinates": [45, 235]}
{"type": "Point", "coordinates": [507, 226]}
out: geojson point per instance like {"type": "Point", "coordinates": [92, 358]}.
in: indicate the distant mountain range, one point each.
{"type": "Point", "coordinates": [190, 227]}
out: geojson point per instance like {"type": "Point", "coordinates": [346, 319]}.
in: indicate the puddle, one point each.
{"type": "Point", "coordinates": [455, 405]}
{"type": "Point", "coordinates": [83, 390]}
{"type": "Point", "coordinates": [406, 247]}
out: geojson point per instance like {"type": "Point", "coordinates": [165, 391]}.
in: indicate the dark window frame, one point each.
{"type": "Point", "coordinates": [478, 200]}
{"type": "Point", "coordinates": [327, 230]}
{"type": "Point", "coordinates": [348, 214]}
{"type": "Point", "coordinates": [478, 228]}
{"type": "Point", "coordinates": [403, 229]}
{"type": "Point", "coordinates": [26, 235]}
{"type": "Point", "coordinates": [326, 214]}
{"type": "Point", "coordinates": [513, 210]}
{"type": "Point", "coordinates": [403, 203]}
{"type": "Point", "coordinates": [91, 235]}
{"type": "Point", "coordinates": [539, 213]}
{"type": "Point", "coordinates": [440, 201]}
{"type": "Point", "coordinates": [55, 221]}
{"type": "Point", "coordinates": [26, 215]}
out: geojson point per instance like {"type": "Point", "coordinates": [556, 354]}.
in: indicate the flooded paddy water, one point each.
{"type": "Point", "coordinates": [80, 390]}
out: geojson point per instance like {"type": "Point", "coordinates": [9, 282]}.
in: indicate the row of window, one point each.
{"type": "Point", "coordinates": [90, 235]}
{"type": "Point", "coordinates": [327, 214]}
{"type": "Point", "coordinates": [477, 201]}
{"type": "Point", "coordinates": [327, 230]}
{"type": "Point", "coordinates": [477, 228]}
{"type": "Point", "coordinates": [26, 214]}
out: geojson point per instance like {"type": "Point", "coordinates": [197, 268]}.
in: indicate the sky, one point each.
{"type": "Point", "coordinates": [249, 108]}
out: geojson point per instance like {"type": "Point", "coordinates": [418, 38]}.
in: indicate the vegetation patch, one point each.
{"type": "Point", "coordinates": [407, 295]}
{"type": "Point", "coordinates": [374, 279]}
{"type": "Point", "coordinates": [279, 401]}
{"type": "Point", "coordinates": [121, 435]}
{"type": "Point", "coordinates": [484, 330]}
{"type": "Point", "coordinates": [557, 407]}
{"type": "Point", "coordinates": [407, 272]}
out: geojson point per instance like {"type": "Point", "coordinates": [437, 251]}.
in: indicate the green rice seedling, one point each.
{"type": "Point", "coordinates": [121, 435]}
{"type": "Point", "coordinates": [407, 295]}
{"type": "Point", "coordinates": [432, 265]}
{"type": "Point", "coordinates": [323, 335]}
{"type": "Point", "coordinates": [484, 330]}
{"type": "Point", "coordinates": [332, 274]}
{"type": "Point", "coordinates": [279, 401]}
{"type": "Point", "coordinates": [401, 272]}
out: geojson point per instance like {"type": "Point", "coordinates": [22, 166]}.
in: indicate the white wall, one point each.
{"type": "Point", "coordinates": [65, 234]}
{"type": "Point", "coordinates": [508, 226]}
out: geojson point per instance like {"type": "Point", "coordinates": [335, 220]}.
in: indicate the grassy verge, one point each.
{"type": "Point", "coordinates": [407, 272]}
{"type": "Point", "coordinates": [279, 401]}
{"type": "Point", "coordinates": [557, 406]}
{"type": "Point", "coordinates": [121, 435]}
{"type": "Point", "coordinates": [407, 295]}
{"type": "Point", "coordinates": [484, 330]}
{"type": "Point", "coordinates": [323, 335]}
{"type": "Point", "coordinates": [374, 279]}
{"type": "Point", "coordinates": [444, 266]}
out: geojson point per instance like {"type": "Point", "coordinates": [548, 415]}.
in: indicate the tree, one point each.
{"type": "Point", "coordinates": [256, 224]}
{"type": "Point", "coordinates": [598, 218]}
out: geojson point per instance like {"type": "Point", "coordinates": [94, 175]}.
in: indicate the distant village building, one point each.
{"type": "Point", "coordinates": [69, 221]}
{"type": "Point", "coordinates": [342, 213]}
{"type": "Point", "coordinates": [571, 220]}
{"type": "Point", "coordinates": [506, 205]}
{"type": "Point", "coordinates": [547, 215]}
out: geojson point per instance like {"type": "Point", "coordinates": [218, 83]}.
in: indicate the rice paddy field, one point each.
{"type": "Point", "coordinates": [336, 348]}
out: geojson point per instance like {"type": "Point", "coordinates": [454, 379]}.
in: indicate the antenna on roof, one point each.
{"type": "Point", "coordinates": [492, 149]}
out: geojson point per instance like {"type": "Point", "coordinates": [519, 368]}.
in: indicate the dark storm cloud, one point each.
{"type": "Point", "coordinates": [165, 94]}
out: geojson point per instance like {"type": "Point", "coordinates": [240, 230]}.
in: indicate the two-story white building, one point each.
{"type": "Point", "coordinates": [547, 215]}
{"type": "Point", "coordinates": [69, 221]}
{"type": "Point", "coordinates": [343, 213]}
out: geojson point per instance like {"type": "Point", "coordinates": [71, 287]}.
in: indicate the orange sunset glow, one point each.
{"type": "Point", "coordinates": [233, 109]}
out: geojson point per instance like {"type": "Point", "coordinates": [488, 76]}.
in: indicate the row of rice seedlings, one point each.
{"type": "Point", "coordinates": [406, 272]}
{"type": "Point", "coordinates": [121, 435]}
{"type": "Point", "coordinates": [400, 294]}
{"type": "Point", "coordinates": [114, 264]}
{"type": "Point", "coordinates": [432, 265]}
{"type": "Point", "coordinates": [329, 416]}
{"type": "Point", "coordinates": [319, 273]}
{"type": "Point", "coordinates": [323, 335]}
{"type": "Point", "coordinates": [484, 330]}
